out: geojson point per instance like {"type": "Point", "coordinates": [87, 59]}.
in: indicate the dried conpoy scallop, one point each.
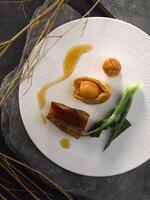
{"type": "Point", "coordinates": [111, 67]}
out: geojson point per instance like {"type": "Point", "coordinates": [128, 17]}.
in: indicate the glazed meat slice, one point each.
{"type": "Point", "coordinates": [70, 120]}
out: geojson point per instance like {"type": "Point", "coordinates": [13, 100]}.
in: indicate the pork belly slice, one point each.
{"type": "Point", "coordinates": [70, 120]}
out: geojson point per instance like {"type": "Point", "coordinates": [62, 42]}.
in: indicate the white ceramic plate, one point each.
{"type": "Point", "coordinates": [109, 37]}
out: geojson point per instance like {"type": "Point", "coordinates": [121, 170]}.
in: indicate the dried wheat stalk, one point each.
{"type": "Point", "coordinates": [7, 163]}
{"type": "Point", "coordinates": [22, 73]}
{"type": "Point", "coordinates": [14, 2]}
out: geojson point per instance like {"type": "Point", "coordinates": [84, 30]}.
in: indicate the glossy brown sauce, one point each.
{"type": "Point", "coordinates": [65, 143]}
{"type": "Point", "coordinates": [69, 62]}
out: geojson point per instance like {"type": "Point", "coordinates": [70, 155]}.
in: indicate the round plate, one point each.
{"type": "Point", "coordinates": [110, 38]}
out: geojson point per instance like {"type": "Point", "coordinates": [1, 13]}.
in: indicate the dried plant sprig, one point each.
{"type": "Point", "coordinates": [29, 71]}
{"type": "Point", "coordinates": [21, 190]}
{"type": "Point", "coordinates": [46, 11]}
{"type": "Point", "coordinates": [84, 26]}
{"type": "Point", "coordinates": [4, 180]}
{"type": "Point", "coordinates": [9, 192]}
{"type": "Point", "coordinates": [9, 170]}
{"type": "Point", "coordinates": [32, 182]}
{"type": "Point", "coordinates": [11, 85]}
{"type": "Point", "coordinates": [7, 89]}
{"type": "Point", "coordinates": [49, 23]}
{"type": "Point", "coordinates": [59, 38]}
{"type": "Point", "coordinates": [10, 161]}
{"type": "Point", "coordinates": [22, 6]}
{"type": "Point", "coordinates": [6, 165]}
{"type": "Point", "coordinates": [2, 197]}
{"type": "Point", "coordinates": [68, 30]}
{"type": "Point", "coordinates": [14, 175]}
{"type": "Point", "coordinates": [15, 2]}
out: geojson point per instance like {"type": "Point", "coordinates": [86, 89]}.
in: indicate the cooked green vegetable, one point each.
{"type": "Point", "coordinates": [116, 118]}
{"type": "Point", "coordinates": [117, 127]}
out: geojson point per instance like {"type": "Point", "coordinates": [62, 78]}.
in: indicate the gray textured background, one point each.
{"type": "Point", "coordinates": [136, 12]}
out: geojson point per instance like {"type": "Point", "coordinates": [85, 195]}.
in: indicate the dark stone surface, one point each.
{"type": "Point", "coordinates": [134, 185]}
{"type": "Point", "coordinates": [136, 12]}
{"type": "Point", "coordinates": [83, 7]}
